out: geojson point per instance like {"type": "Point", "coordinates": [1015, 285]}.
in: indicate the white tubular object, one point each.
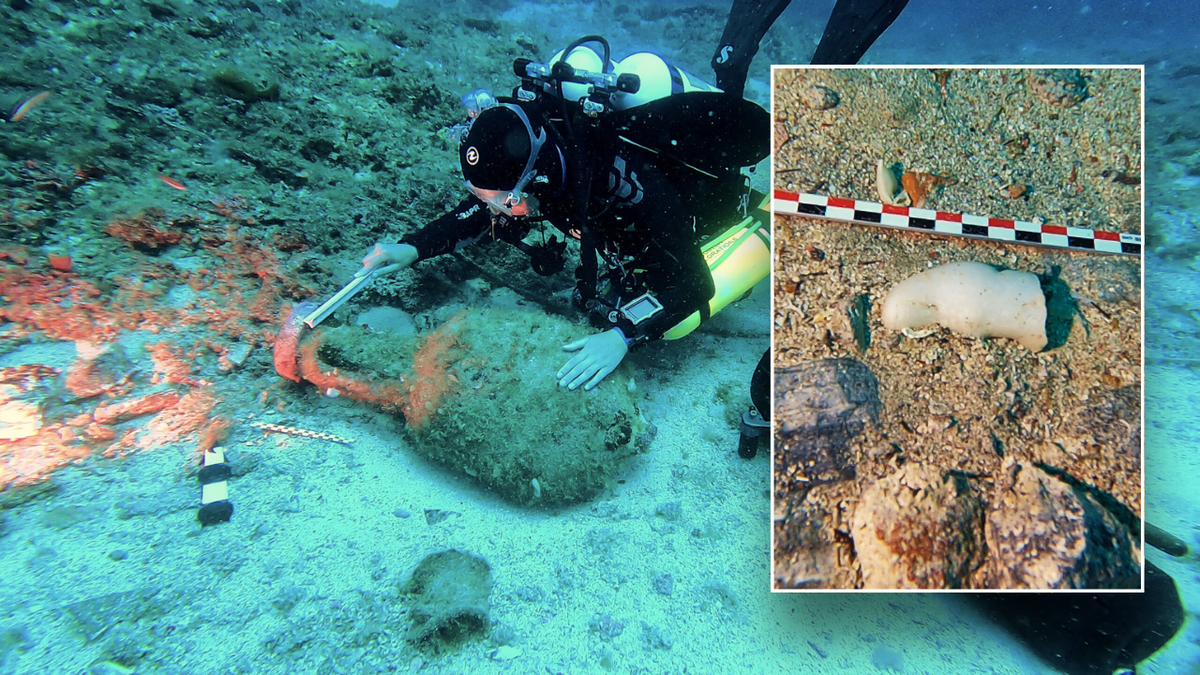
{"type": "Point", "coordinates": [971, 298]}
{"type": "Point", "coordinates": [338, 299]}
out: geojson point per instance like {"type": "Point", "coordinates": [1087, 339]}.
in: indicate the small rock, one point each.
{"type": "Point", "coordinates": [238, 353]}
{"type": "Point", "coordinates": [818, 97]}
{"type": "Point", "coordinates": [506, 653]}
{"type": "Point", "coordinates": [118, 554]}
{"type": "Point", "coordinates": [1061, 87]}
{"type": "Point", "coordinates": [387, 319]}
{"type": "Point", "coordinates": [435, 516]}
{"type": "Point", "coordinates": [663, 584]}
{"type": "Point", "coordinates": [606, 626]}
{"type": "Point", "coordinates": [401, 513]}
{"type": "Point", "coordinates": [668, 511]}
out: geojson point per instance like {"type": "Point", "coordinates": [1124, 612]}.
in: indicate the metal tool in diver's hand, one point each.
{"type": "Point", "coordinates": [287, 342]}
{"type": "Point", "coordinates": [330, 306]}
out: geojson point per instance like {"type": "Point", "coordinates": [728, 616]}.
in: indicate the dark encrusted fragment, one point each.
{"type": "Point", "coordinates": [819, 407]}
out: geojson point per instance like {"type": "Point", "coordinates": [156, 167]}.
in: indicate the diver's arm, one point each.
{"type": "Point", "coordinates": [455, 229]}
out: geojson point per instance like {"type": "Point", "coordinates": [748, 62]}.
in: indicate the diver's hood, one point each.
{"type": "Point", "coordinates": [508, 148]}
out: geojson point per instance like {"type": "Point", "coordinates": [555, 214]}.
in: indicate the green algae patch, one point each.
{"type": "Point", "coordinates": [480, 397]}
{"type": "Point", "coordinates": [232, 83]}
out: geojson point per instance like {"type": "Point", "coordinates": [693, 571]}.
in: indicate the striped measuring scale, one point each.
{"type": "Point", "coordinates": [956, 224]}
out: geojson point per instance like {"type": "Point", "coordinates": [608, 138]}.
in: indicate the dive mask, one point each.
{"type": "Point", "coordinates": [514, 203]}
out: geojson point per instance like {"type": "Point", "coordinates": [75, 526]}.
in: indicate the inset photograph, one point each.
{"type": "Point", "coordinates": [957, 328]}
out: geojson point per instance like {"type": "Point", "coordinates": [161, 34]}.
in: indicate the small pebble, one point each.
{"type": "Point", "coordinates": [110, 667]}
{"type": "Point", "coordinates": [435, 516]}
{"type": "Point", "coordinates": [238, 353]}
{"type": "Point", "coordinates": [817, 97]}
{"type": "Point", "coordinates": [506, 653]}
{"type": "Point", "coordinates": [401, 513]}
{"type": "Point", "coordinates": [663, 584]}
{"type": "Point", "coordinates": [118, 554]}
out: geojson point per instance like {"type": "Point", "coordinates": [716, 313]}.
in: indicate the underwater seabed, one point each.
{"type": "Point", "coordinates": [665, 572]}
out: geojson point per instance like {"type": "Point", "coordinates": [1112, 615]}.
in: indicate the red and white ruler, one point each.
{"type": "Point", "coordinates": [956, 224]}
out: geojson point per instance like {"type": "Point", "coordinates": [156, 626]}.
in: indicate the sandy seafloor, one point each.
{"type": "Point", "coordinates": [317, 529]}
{"type": "Point", "coordinates": [983, 129]}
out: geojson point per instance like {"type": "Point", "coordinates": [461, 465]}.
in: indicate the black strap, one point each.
{"type": "Point", "coordinates": [581, 170]}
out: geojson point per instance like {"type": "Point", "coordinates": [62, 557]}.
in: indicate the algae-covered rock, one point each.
{"type": "Point", "coordinates": [233, 83]}
{"type": "Point", "coordinates": [449, 593]}
{"type": "Point", "coordinates": [480, 396]}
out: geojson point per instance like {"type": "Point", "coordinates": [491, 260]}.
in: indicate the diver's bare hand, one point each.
{"type": "Point", "coordinates": [595, 357]}
{"type": "Point", "coordinates": [385, 259]}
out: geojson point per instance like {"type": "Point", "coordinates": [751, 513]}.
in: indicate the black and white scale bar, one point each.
{"type": "Point", "coordinates": [957, 224]}
{"type": "Point", "coordinates": [215, 506]}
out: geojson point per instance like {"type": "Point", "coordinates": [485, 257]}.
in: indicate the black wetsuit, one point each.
{"type": "Point", "coordinates": [852, 28]}
{"type": "Point", "coordinates": [645, 217]}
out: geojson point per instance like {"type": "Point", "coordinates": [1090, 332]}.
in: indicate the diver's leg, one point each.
{"type": "Point", "coordinates": [748, 22]}
{"type": "Point", "coordinates": [853, 28]}
{"type": "Point", "coordinates": [760, 386]}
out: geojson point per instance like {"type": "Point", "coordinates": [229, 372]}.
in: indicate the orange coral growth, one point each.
{"type": "Point", "coordinates": [17, 254]}
{"type": "Point", "coordinates": [250, 285]}
{"type": "Point", "coordinates": [169, 365]}
{"type": "Point", "coordinates": [84, 380]}
{"type": "Point", "coordinates": [125, 410]}
{"type": "Point", "coordinates": [26, 377]}
{"type": "Point", "coordinates": [386, 394]}
{"type": "Point", "coordinates": [98, 432]}
{"type": "Point", "coordinates": [919, 185]}
{"type": "Point", "coordinates": [212, 434]}
{"type": "Point", "coordinates": [240, 291]}
{"type": "Point", "coordinates": [143, 231]}
{"type": "Point", "coordinates": [64, 310]}
{"type": "Point", "coordinates": [188, 417]}
{"type": "Point", "coordinates": [33, 459]}
{"type": "Point", "coordinates": [429, 381]}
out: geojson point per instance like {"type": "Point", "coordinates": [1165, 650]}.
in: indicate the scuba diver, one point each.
{"type": "Point", "coordinates": [852, 29]}
{"type": "Point", "coordinates": [637, 161]}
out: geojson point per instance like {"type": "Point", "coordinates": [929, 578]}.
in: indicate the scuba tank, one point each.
{"type": "Point", "coordinates": [655, 77]}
